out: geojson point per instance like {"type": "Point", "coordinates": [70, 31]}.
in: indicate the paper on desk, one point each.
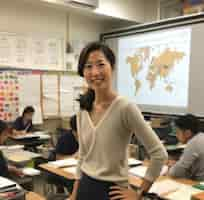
{"type": "Point", "coordinates": [3, 147]}
{"type": "Point", "coordinates": [15, 147]}
{"type": "Point", "coordinates": [4, 182]}
{"type": "Point", "coordinates": [28, 135]}
{"type": "Point", "coordinates": [44, 136]}
{"type": "Point", "coordinates": [165, 186]}
{"type": "Point", "coordinates": [63, 163]}
{"type": "Point", "coordinates": [132, 161]}
{"type": "Point", "coordinates": [30, 171]}
{"type": "Point", "coordinates": [71, 170]}
{"type": "Point", "coordinates": [141, 170]}
{"type": "Point", "coordinates": [184, 193]}
{"type": "Point", "coordinates": [20, 155]}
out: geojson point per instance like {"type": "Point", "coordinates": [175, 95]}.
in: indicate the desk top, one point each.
{"type": "Point", "coordinates": [133, 180]}
{"type": "Point", "coordinates": [20, 155]}
{"type": "Point", "coordinates": [40, 135]}
{"type": "Point", "coordinates": [34, 196]}
{"type": "Point", "coordinates": [57, 171]}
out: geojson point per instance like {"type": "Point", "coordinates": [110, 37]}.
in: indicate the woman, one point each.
{"type": "Point", "coordinates": [23, 124]}
{"type": "Point", "coordinates": [6, 170]}
{"type": "Point", "coordinates": [105, 124]}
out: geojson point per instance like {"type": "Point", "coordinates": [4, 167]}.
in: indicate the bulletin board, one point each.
{"type": "Point", "coordinates": [52, 94]}
{"type": "Point", "coordinates": [32, 52]}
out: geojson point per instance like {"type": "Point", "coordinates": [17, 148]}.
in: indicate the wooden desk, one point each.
{"type": "Point", "coordinates": [137, 181]}
{"type": "Point", "coordinates": [34, 196]}
{"type": "Point", "coordinates": [20, 156]}
{"type": "Point", "coordinates": [133, 180]}
{"type": "Point", "coordinates": [57, 171]}
{"type": "Point", "coordinates": [31, 140]}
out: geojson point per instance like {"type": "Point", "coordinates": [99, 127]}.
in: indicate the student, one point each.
{"type": "Point", "coordinates": [23, 124]}
{"type": "Point", "coordinates": [105, 123]}
{"type": "Point", "coordinates": [67, 144]}
{"type": "Point", "coordinates": [191, 163]}
{"type": "Point", "coordinates": [6, 170]}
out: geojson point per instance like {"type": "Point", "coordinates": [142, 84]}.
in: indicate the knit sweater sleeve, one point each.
{"type": "Point", "coordinates": [135, 123]}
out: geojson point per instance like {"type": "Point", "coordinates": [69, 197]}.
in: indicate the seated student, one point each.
{"type": "Point", "coordinates": [190, 165]}
{"type": "Point", "coordinates": [67, 145]}
{"type": "Point", "coordinates": [23, 124]}
{"type": "Point", "coordinates": [6, 170]}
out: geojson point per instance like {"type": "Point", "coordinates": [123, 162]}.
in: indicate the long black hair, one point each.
{"type": "Point", "coordinates": [3, 126]}
{"type": "Point", "coordinates": [73, 122]}
{"type": "Point", "coordinates": [86, 100]}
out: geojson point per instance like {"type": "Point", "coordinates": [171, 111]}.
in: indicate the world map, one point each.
{"type": "Point", "coordinates": [159, 66]}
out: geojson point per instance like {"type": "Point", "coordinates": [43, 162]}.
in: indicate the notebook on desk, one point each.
{"type": "Point", "coordinates": [9, 190]}
{"type": "Point", "coordinates": [6, 184]}
{"type": "Point", "coordinates": [63, 163]}
{"type": "Point", "coordinates": [185, 192]}
{"type": "Point", "coordinates": [140, 171]}
{"type": "Point", "coordinates": [27, 136]}
{"type": "Point", "coordinates": [132, 162]}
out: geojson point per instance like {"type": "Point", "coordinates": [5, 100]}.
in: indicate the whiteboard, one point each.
{"type": "Point", "coordinates": [29, 94]}
{"type": "Point", "coordinates": [50, 95]}
{"type": "Point", "coordinates": [70, 88]}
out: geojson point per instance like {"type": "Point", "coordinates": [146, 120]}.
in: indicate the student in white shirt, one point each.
{"type": "Point", "coordinates": [191, 163]}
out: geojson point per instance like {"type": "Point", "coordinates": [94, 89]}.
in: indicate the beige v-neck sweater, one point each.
{"type": "Point", "coordinates": [103, 148]}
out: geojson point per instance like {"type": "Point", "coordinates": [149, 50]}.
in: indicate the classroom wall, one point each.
{"type": "Point", "coordinates": [83, 28]}
{"type": "Point", "coordinates": [128, 9]}
{"type": "Point", "coordinates": [136, 10]}
{"type": "Point", "coordinates": [23, 17]}
{"type": "Point", "coordinates": [151, 8]}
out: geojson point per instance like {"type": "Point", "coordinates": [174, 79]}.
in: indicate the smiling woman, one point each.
{"type": "Point", "coordinates": [106, 122]}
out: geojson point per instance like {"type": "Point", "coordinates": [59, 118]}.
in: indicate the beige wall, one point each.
{"type": "Point", "coordinates": [84, 28]}
{"type": "Point", "coordinates": [32, 18]}
{"type": "Point", "coordinates": [20, 17]}
{"type": "Point", "coordinates": [128, 9]}
{"type": "Point", "coordinates": [136, 10]}
{"type": "Point", "coordinates": [151, 10]}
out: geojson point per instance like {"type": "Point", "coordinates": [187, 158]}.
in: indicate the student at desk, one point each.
{"type": "Point", "coordinates": [191, 163]}
{"type": "Point", "coordinates": [23, 124]}
{"type": "Point", "coordinates": [67, 145]}
{"type": "Point", "coordinates": [105, 124]}
{"type": "Point", "coordinates": [6, 170]}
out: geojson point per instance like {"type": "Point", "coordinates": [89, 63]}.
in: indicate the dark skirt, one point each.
{"type": "Point", "coordinates": [92, 189]}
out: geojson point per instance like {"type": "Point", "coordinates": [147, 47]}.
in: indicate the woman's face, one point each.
{"type": "Point", "coordinates": [98, 71]}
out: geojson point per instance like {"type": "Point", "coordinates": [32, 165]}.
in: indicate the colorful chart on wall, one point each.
{"type": "Point", "coordinates": [9, 99]}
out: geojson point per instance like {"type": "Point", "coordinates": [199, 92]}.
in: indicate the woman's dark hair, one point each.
{"type": "Point", "coordinates": [95, 46]}
{"type": "Point", "coordinates": [86, 100]}
{"type": "Point", "coordinates": [3, 126]}
{"type": "Point", "coordinates": [188, 122]}
{"type": "Point", "coordinates": [28, 109]}
{"type": "Point", "coordinates": [73, 122]}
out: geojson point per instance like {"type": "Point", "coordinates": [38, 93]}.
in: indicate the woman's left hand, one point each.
{"type": "Point", "coordinates": [120, 193]}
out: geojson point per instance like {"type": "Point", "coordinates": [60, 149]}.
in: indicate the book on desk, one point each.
{"type": "Point", "coordinates": [9, 190]}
